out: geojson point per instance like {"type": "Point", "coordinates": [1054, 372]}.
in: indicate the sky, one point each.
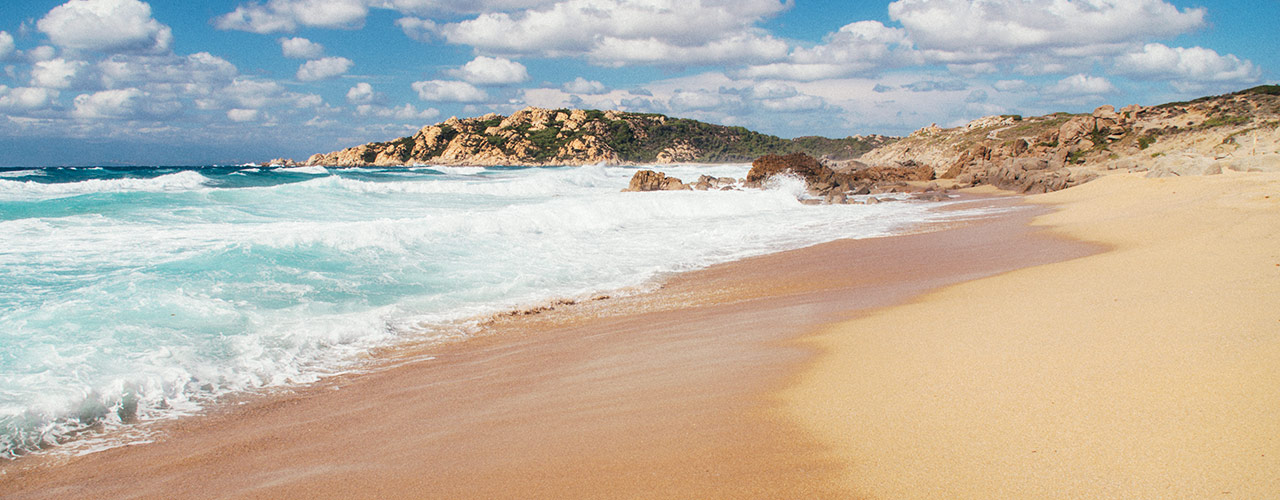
{"type": "Point", "coordinates": [179, 82]}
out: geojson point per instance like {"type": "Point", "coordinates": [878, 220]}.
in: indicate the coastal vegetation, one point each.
{"type": "Point", "coordinates": [536, 136]}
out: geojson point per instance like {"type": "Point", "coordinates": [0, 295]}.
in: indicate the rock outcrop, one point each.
{"type": "Point", "coordinates": [835, 186]}
{"type": "Point", "coordinates": [648, 180]}
{"type": "Point", "coordinates": [1038, 154]}
{"type": "Point", "coordinates": [537, 136]}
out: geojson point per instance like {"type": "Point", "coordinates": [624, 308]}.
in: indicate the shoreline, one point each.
{"type": "Point", "coordinates": [1146, 371]}
{"type": "Point", "coordinates": [668, 394]}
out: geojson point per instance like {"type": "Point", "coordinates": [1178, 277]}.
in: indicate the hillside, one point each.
{"type": "Point", "coordinates": [536, 136]}
{"type": "Point", "coordinates": [1237, 131]}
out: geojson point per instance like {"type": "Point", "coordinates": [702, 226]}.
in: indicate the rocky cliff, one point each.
{"type": "Point", "coordinates": [1235, 131]}
{"type": "Point", "coordinates": [536, 136]}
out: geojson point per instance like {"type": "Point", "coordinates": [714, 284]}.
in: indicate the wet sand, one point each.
{"type": "Point", "coordinates": [1151, 370]}
{"type": "Point", "coordinates": [670, 394]}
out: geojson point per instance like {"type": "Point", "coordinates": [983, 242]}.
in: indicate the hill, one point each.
{"type": "Point", "coordinates": [536, 136]}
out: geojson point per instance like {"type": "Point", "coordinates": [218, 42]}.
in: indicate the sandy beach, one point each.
{"type": "Point", "coordinates": [1151, 370]}
{"type": "Point", "coordinates": [1113, 340]}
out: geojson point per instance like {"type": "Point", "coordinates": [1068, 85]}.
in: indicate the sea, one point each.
{"type": "Point", "coordinates": [134, 295]}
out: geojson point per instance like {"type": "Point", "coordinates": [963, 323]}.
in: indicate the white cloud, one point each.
{"type": "Point", "coordinates": [491, 71]}
{"type": "Point", "coordinates": [962, 31]}
{"type": "Point", "coordinates": [106, 26]}
{"type": "Point", "coordinates": [56, 73]}
{"type": "Point", "coordinates": [321, 69]}
{"type": "Point", "coordinates": [1081, 85]}
{"type": "Point", "coordinates": [242, 115]}
{"type": "Point", "coordinates": [422, 30]}
{"type": "Point", "coordinates": [448, 91]}
{"type": "Point", "coordinates": [277, 16]}
{"type": "Point", "coordinates": [747, 47]}
{"type": "Point", "coordinates": [115, 103]}
{"type": "Point", "coordinates": [6, 45]}
{"type": "Point", "coordinates": [424, 7]}
{"type": "Point", "coordinates": [201, 69]}
{"type": "Point", "coordinates": [860, 47]}
{"type": "Point", "coordinates": [618, 32]}
{"type": "Point", "coordinates": [1196, 64]}
{"type": "Point", "coordinates": [258, 94]}
{"type": "Point", "coordinates": [703, 100]}
{"type": "Point", "coordinates": [405, 112]}
{"type": "Point", "coordinates": [793, 103]}
{"type": "Point", "coordinates": [362, 93]}
{"type": "Point", "coordinates": [25, 98]}
{"type": "Point", "coordinates": [41, 53]}
{"type": "Point", "coordinates": [301, 48]}
{"type": "Point", "coordinates": [581, 85]}
{"type": "Point", "coordinates": [1011, 85]}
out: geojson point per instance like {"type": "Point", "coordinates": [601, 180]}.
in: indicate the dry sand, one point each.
{"type": "Point", "coordinates": [664, 395]}
{"type": "Point", "coordinates": [1151, 370]}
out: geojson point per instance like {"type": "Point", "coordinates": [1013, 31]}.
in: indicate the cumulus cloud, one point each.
{"type": "Point", "coordinates": [322, 69]}
{"type": "Point", "coordinates": [362, 93]}
{"type": "Point", "coordinates": [618, 32]}
{"type": "Point", "coordinates": [491, 71]}
{"type": "Point", "coordinates": [26, 98]}
{"type": "Point", "coordinates": [1190, 65]}
{"type": "Point", "coordinates": [864, 46]}
{"type": "Point", "coordinates": [793, 103]}
{"type": "Point", "coordinates": [936, 86]}
{"type": "Point", "coordinates": [448, 91]}
{"type": "Point", "coordinates": [41, 53]}
{"type": "Point", "coordinates": [1081, 85]}
{"type": "Point", "coordinates": [1011, 85]}
{"type": "Point", "coordinates": [6, 45]}
{"type": "Point", "coordinates": [703, 100]}
{"type": "Point", "coordinates": [278, 16]}
{"type": "Point", "coordinates": [581, 85]}
{"type": "Point", "coordinates": [301, 48]}
{"type": "Point", "coordinates": [422, 30]}
{"type": "Point", "coordinates": [751, 46]}
{"type": "Point", "coordinates": [404, 112]}
{"type": "Point", "coordinates": [242, 115]}
{"type": "Point", "coordinates": [968, 31]}
{"type": "Point", "coordinates": [201, 69]}
{"type": "Point", "coordinates": [257, 94]}
{"type": "Point", "coordinates": [56, 73]}
{"type": "Point", "coordinates": [114, 103]}
{"type": "Point", "coordinates": [106, 26]}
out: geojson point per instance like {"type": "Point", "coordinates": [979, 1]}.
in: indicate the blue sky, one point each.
{"type": "Point", "coordinates": [181, 82]}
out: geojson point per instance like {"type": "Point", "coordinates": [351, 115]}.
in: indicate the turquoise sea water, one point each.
{"type": "Point", "coordinates": [129, 295]}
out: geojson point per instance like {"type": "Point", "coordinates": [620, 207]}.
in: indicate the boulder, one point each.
{"type": "Point", "coordinates": [648, 180]}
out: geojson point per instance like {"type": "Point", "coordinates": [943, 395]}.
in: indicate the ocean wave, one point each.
{"type": "Point", "coordinates": [283, 284]}
{"type": "Point", "coordinates": [313, 170]}
{"type": "Point", "coordinates": [454, 170]}
{"type": "Point", "coordinates": [186, 180]}
{"type": "Point", "coordinates": [22, 173]}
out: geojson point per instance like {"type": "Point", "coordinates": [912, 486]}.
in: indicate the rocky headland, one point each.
{"type": "Point", "coordinates": [537, 136]}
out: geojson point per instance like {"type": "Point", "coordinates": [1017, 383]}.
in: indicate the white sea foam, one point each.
{"type": "Point", "coordinates": [314, 170]}
{"type": "Point", "coordinates": [31, 190]}
{"type": "Point", "coordinates": [22, 173]}
{"type": "Point", "coordinates": [141, 313]}
{"type": "Point", "coordinates": [455, 170]}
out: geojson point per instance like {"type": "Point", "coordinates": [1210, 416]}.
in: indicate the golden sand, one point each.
{"type": "Point", "coordinates": [1151, 370]}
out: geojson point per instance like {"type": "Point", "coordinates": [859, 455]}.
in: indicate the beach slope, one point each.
{"type": "Point", "coordinates": [1151, 370]}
